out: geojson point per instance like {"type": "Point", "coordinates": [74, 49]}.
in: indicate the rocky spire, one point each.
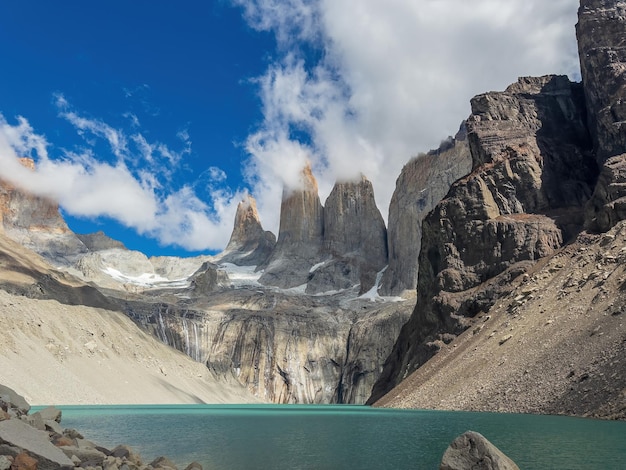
{"type": "Point", "coordinates": [249, 244]}
{"type": "Point", "coordinates": [355, 237]}
{"type": "Point", "coordinates": [300, 236]}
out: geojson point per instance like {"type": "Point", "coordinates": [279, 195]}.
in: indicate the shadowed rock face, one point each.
{"type": "Point", "coordinates": [300, 236]}
{"type": "Point", "coordinates": [249, 244]}
{"type": "Point", "coordinates": [424, 182]}
{"type": "Point", "coordinates": [99, 241]}
{"type": "Point", "coordinates": [532, 173]}
{"type": "Point", "coordinates": [355, 239]}
{"type": "Point", "coordinates": [602, 50]}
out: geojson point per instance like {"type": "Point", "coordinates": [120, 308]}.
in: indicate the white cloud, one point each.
{"type": "Point", "coordinates": [391, 79]}
{"type": "Point", "coordinates": [217, 175]}
{"type": "Point", "coordinates": [394, 79]}
{"type": "Point", "coordinates": [87, 186]}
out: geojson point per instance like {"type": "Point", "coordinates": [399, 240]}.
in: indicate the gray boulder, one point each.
{"type": "Point", "coordinates": [472, 450]}
{"type": "Point", "coordinates": [17, 434]}
{"type": "Point", "coordinates": [12, 402]}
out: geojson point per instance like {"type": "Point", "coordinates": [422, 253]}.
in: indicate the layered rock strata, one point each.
{"type": "Point", "coordinates": [249, 244]}
{"type": "Point", "coordinates": [602, 51]}
{"type": "Point", "coordinates": [532, 173]}
{"type": "Point", "coordinates": [423, 182]}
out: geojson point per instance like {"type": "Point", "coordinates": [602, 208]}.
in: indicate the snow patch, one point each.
{"type": "Point", "coordinates": [315, 267]}
{"type": "Point", "coordinates": [241, 276]}
{"type": "Point", "coordinates": [372, 294]}
{"type": "Point", "coordinates": [145, 279]}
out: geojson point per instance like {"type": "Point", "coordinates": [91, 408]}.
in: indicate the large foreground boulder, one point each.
{"type": "Point", "coordinates": [472, 450]}
{"type": "Point", "coordinates": [20, 436]}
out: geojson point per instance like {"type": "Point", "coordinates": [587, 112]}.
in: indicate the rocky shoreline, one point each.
{"type": "Point", "coordinates": [38, 441]}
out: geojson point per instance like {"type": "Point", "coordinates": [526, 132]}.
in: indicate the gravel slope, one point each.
{"type": "Point", "coordinates": [557, 345]}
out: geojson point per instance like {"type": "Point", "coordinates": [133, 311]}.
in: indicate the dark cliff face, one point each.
{"type": "Point", "coordinates": [532, 173]}
{"type": "Point", "coordinates": [423, 182]}
{"type": "Point", "coordinates": [601, 32]}
{"type": "Point", "coordinates": [354, 241]}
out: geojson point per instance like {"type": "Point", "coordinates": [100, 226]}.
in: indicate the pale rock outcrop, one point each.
{"type": "Point", "coordinates": [300, 235]}
{"type": "Point", "coordinates": [423, 182]}
{"type": "Point", "coordinates": [208, 278]}
{"type": "Point", "coordinates": [22, 437]}
{"type": "Point", "coordinates": [249, 244]}
{"type": "Point", "coordinates": [471, 450]}
{"type": "Point", "coordinates": [532, 173]}
{"type": "Point", "coordinates": [355, 239]}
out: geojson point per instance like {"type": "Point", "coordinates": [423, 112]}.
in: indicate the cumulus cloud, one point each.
{"type": "Point", "coordinates": [391, 79]}
{"type": "Point", "coordinates": [354, 87]}
{"type": "Point", "coordinates": [86, 185]}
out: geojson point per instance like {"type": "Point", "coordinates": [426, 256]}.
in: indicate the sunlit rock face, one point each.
{"type": "Point", "coordinates": [532, 174]}
{"type": "Point", "coordinates": [354, 241]}
{"type": "Point", "coordinates": [423, 182]}
{"type": "Point", "coordinates": [300, 235]}
{"type": "Point", "coordinates": [35, 222]}
{"type": "Point", "coordinates": [249, 244]}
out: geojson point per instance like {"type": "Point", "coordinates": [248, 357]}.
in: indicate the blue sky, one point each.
{"type": "Point", "coordinates": [151, 119]}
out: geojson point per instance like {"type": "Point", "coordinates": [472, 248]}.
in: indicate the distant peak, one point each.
{"type": "Point", "coordinates": [28, 163]}
{"type": "Point", "coordinates": [307, 180]}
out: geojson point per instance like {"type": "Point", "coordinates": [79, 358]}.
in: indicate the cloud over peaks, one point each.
{"type": "Point", "coordinates": [387, 80]}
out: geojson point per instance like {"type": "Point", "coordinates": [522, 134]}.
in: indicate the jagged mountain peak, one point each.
{"type": "Point", "coordinates": [305, 181]}
{"type": "Point", "coordinates": [249, 244]}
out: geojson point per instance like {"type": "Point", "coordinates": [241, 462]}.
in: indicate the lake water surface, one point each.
{"type": "Point", "coordinates": [234, 437]}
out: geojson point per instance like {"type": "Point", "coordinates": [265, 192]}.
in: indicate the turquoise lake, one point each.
{"type": "Point", "coordinates": [234, 437]}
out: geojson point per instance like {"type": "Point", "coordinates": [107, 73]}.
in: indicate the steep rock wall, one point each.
{"type": "Point", "coordinates": [532, 172]}
{"type": "Point", "coordinates": [423, 182]}
{"type": "Point", "coordinates": [35, 222]}
{"type": "Point", "coordinates": [601, 33]}
{"type": "Point", "coordinates": [300, 236]}
{"type": "Point", "coordinates": [282, 349]}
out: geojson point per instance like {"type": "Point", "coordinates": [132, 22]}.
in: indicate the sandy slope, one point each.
{"type": "Point", "coordinates": [61, 354]}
